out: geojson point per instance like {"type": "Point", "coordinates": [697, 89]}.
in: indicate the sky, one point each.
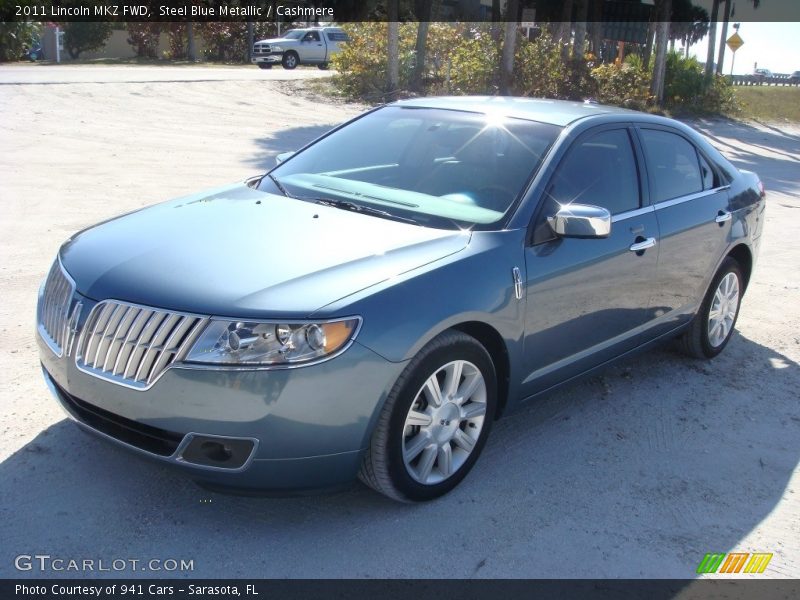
{"type": "Point", "coordinates": [774, 46]}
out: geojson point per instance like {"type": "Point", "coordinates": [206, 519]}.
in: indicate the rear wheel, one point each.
{"type": "Point", "coordinates": [323, 66]}
{"type": "Point", "coordinates": [290, 60]}
{"type": "Point", "coordinates": [712, 327]}
{"type": "Point", "coordinates": [435, 421]}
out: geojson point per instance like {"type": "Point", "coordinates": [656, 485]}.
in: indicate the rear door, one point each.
{"type": "Point", "coordinates": [588, 299]}
{"type": "Point", "coordinates": [691, 204]}
{"type": "Point", "coordinates": [313, 47]}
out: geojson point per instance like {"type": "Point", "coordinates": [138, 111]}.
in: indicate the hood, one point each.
{"type": "Point", "coordinates": [279, 40]}
{"type": "Point", "coordinates": [243, 253]}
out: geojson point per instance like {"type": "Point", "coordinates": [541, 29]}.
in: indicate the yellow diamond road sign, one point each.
{"type": "Point", "coordinates": [735, 42]}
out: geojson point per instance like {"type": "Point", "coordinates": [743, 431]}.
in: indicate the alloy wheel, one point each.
{"type": "Point", "coordinates": [444, 422]}
{"type": "Point", "coordinates": [724, 307]}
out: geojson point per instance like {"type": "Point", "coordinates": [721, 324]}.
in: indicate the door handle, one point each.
{"type": "Point", "coordinates": [643, 245]}
{"type": "Point", "coordinates": [723, 216]}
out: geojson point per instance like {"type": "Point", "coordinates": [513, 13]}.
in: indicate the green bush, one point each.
{"type": "Point", "coordinates": [14, 37]}
{"type": "Point", "coordinates": [144, 38]}
{"type": "Point", "coordinates": [84, 37]}
{"type": "Point", "coordinates": [473, 64]}
{"type": "Point", "coordinates": [686, 89]}
{"type": "Point", "coordinates": [625, 85]}
{"type": "Point", "coordinates": [362, 64]}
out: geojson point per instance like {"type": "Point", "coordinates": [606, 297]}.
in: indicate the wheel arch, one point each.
{"type": "Point", "coordinates": [495, 345]}
{"type": "Point", "coordinates": [742, 254]}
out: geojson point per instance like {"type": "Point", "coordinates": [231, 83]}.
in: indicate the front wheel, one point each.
{"type": "Point", "coordinates": [712, 327]}
{"type": "Point", "coordinates": [290, 60]}
{"type": "Point", "coordinates": [435, 421]}
{"type": "Point", "coordinates": [264, 66]}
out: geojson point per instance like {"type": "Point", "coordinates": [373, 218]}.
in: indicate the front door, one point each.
{"type": "Point", "coordinates": [589, 299]}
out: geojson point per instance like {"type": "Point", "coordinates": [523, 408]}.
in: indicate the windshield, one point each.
{"type": "Point", "coordinates": [440, 168]}
{"type": "Point", "coordinates": [293, 34]}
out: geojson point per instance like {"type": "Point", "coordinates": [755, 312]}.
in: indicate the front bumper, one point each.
{"type": "Point", "coordinates": [274, 58]}
{"type": "Point", "coordinates": [290, 429]}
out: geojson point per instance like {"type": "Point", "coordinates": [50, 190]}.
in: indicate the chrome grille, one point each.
{"type": "Point", "coordinates": [53, 309]}
{"type": "Point", "coordinates": [133, 345]}
{"type": "Point", "coordinates": [262, 49]}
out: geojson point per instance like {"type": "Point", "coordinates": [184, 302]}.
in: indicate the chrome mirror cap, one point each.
{"type": "Point", "coordinates": [581, 221]}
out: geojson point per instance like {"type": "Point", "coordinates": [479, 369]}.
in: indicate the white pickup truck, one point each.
{"type": "Point", "coordinates": [311, 46]}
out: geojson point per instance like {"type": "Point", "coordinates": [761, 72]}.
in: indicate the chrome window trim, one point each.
{"type": "Point", "coordinates": [629, 214]}
{"type": "Point", "coordinates": [688, 198]}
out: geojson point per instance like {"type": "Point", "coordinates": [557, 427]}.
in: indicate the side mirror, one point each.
{"type": "Point", "coordinates": [283, 157]}
{"type": "Point", "coordinates": [581, 221]}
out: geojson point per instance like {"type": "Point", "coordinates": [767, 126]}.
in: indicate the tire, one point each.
{"type": "Point", "coordinates": [409, 461]}
{"type": "Point", "coordinates": [264, 66]}
{"type": "Point", "coordinates": [703, 339]}
{"type": "Point", "coordinates": [290, 60]}
{"type": "Point", "coordinates": [323, 66]}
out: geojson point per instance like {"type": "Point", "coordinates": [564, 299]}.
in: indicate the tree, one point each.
{"type": "Point", "coordinates": [509, 44]}
{"type": "Point", "coordinates": [663, 14]}
{"type": "Point", "coordinates": [393, 50]}
{"type": "Point", "coordinates": [250, 40]}
{"type": "Point", "coordinates": [580, 28]}
{"type": "Point", "coordinates": [423, 14]}
{"type": "Point", "coordinates": [84, 37]}
{"type": "Point", "coordinates": [14, 36]}
{"type": "Point", "coordinates": [191, 51]}
{"type": "Point", "coordinates": [724, 35]}
{"type": "Point", "coordinates": [144, 38]}
{"type": "Point", "coordinates": [712, 39]}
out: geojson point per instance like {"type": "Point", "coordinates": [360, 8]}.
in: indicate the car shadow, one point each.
{"type": "Point", "coordinates": [635, 472]}
{"type": "Point", "coordinates": [769, 151]}
{"type": "Point", "coordinates": [284, 140]}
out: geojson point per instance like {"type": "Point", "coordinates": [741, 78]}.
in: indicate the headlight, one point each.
{"type": "Point", "coordinates": [271, 344]}
{"type": "Point", "coordinates": [276, 49]}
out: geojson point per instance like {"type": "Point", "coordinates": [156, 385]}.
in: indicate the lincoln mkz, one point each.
{"type": "Point", "coordinates": [372, 304]}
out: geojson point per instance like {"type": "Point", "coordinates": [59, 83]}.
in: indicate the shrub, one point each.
{"type": "Point", "coordinates": [473, 63]}
{"type": "Point", "coordinates": [14, 37]}
{"type": "Point", "coordinates": [625, 85]}
{"type": "Point", "coordinates": [541, 71]}
{"type": "Point", "coordinates": [362, 64]}
{"type": "Point", "coordinates": [687, 91]}
{"type": "Point", "coordinates": [227, 41]}
{"type": "Point", "coordinates": [144, 38]}
{"type": "Point", "coordinates": [85, 37]}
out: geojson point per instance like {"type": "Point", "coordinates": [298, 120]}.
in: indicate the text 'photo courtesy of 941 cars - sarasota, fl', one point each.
{"type": "Point", "coordinates": [369, 307]}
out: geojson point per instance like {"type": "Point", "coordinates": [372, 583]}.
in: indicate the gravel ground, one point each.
{"type": "Point", "coordinates": [637, 472]}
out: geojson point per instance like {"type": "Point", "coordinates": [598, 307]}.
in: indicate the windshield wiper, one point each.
{"type": "Point", "coordinates": [360, 208]}
{"type": "Point", "coordinates": [279, 185]}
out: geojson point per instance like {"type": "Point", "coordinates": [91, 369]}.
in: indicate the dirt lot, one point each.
{"type": "Point", "coordinates": [636, 473]}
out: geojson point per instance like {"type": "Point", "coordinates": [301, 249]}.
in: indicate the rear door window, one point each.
{"type": "Point", "coordinates": [674, 165]}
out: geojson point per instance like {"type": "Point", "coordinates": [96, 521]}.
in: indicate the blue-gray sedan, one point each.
{"type": "Point", "coordinates": [371, 305]}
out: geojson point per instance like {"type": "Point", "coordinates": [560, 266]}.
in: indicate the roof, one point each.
{"type": "Point", "coordinates": [555, 112]}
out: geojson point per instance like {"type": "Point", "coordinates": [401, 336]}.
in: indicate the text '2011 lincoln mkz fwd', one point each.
{"type": "Point", "coordinates": [372, 304]}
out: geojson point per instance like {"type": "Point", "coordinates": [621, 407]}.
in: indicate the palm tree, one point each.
{"type": "Point", "coordinates": [509, 44]}
{"type": "Point", "coordinates": [728, 14]}
{"type": "Point", "coordinates": [663, 14]}
{"type": "Point", "coordinates": [712, 39]}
